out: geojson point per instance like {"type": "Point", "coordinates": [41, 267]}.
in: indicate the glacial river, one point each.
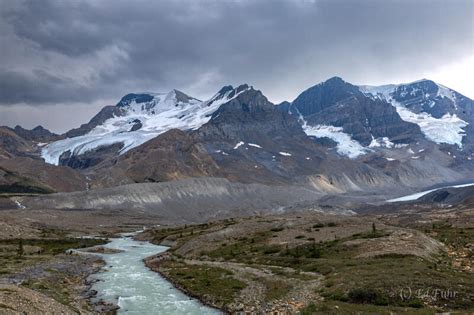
{"type": "Point", "coordinates": [127, 282]}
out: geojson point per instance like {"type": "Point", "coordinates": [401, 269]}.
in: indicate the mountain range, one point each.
{"type": "Point", "coordinates": [334, 138]}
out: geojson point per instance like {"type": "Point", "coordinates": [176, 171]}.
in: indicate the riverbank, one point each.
{"type": "Point", "coordinates": [42, 277]}
{"type": "Point", "coordinates": [154, 263]}
{"type": "Point", "coordinates": [314, 263]}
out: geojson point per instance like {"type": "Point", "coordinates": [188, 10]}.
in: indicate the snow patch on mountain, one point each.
{"type": "Point", "coordinates": [447, 129]}
{"type": "Point", "coordinates": [446, 92]}
{"type": "Point", "coordinates": [345, 144]}
{"type": "Point", "coordinates": [383, 142]}
{"type": "Point", "coordinates": [381, 91]}
{"type": "Point", "coordinates": [240, 143]}
{"type": "Point", "coordinates": [163, 112]}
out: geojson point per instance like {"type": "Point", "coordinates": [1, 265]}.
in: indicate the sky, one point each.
{"type": "Point", "coordinates": [61, 61]}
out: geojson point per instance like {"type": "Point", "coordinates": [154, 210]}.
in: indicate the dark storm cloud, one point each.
{"type": "Point", "coordinates": [23, 88]}
{"type": "Point", "coordinates": [79, 51]}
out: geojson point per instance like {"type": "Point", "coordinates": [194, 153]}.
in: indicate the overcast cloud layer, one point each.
{"type": "Point", "coordinates": [62, 60]}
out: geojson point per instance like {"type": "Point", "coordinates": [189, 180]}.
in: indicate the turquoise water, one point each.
{"type": "Point", "coordinates": [127, 282]}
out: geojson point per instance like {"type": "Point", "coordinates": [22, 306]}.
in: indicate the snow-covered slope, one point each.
{"type": "Point", "coordinates": [435, 108]}
{"type": "Point", "coordinates": [355, 122]}
{"type": "Point", "coordinates": [447, 129]}
{"type": "Point", "coordinates": [145, 116]}
{"type": "Point", "coordinates": [345, 145]}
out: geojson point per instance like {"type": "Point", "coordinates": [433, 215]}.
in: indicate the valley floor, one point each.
{"type": "Point", "coordinates": [407, 259]}
{"type": "Point", "coordinates": [319, 264]}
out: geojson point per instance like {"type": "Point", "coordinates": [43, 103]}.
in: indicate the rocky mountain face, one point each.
{"type": "Point", "coordinates": [23, 171]}
{"type": "Point", "coordinates": [37, 134]}
{"type": "Point", "coordinates": [336, 109]}
{"type": "Point", "coordinates": [429, 97]}
{"type": "Point", "coordinates": [445, 116]}
{"type": "Point", "coordinates": [246, 139]}
{"type": "Point", "coordinates": [105, 113]}
{"type": "Point", "coordinates": [11, 144]}
{"type": "Point", "coordinates": [28, 175]}
{"type": "Point", "coordinates": [172, 155]}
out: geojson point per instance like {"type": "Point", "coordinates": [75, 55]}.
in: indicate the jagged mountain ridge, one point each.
{"type": "Point", "coordinates": [356, 119]}
{"type": "Point", "coordinates": [239, 135]}
{"type": "Point", "coordinates": [245, 140]}
{"type": "Point", "coordinates": [249, 140]}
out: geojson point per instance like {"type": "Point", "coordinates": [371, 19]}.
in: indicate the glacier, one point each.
{"type": "Point", "coordinates": [163, 112]}
{"type": "Point", "coordinates": [447, 129]}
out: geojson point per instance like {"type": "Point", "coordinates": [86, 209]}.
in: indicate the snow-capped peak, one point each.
{"type": "Point", "coordinates": [381, 91]}
{"type": "Point", "coordinates": [422, 87]}
{"type": "Point", "coordinates": [226, 94]}
{"type": "Point", "coordinates": [145, 116]}
{"type": "Point", "coordinates": [417, 102]}
{"type": "Point", "coordinates": [155, 103]}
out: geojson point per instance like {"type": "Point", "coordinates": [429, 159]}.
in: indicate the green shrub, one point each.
{"type": "Point", "coordinates": [277, 229]}
{"type": "Point", "coordinates": [271, 249]}
{"type": "Point", "coordinates": [309, 310]}
{"type": "Point", "coordinates": [367, 296]}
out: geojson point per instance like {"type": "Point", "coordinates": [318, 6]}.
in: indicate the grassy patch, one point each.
{"type": "Point", "coordinates": [205, 280]}
{"type": "Point", "coordinates": [370, 285]}
{"type": "Point", "coordinates": [55, 246]}
{"type": "Point", "coordinates": [338, 308]}
{"type": "Point", "coordinates": [183, 233]}
{"type": "Point", "coordinates": [12, 260]}
{"type": "Point", "coordinates": [449, 235]}
{"type": "Point", "coordinates": [275, 289]}
{"type": "Point", "coordinates": [19, 184]}
{"type": "Point", "coordinates": [380, 279]}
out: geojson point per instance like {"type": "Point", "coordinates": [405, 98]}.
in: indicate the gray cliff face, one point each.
{"type": "Point", "coordinates": [247, 115]}
{"type": "Point", "coordinates": [429, 97]}
{"type": "Point", "coordinates": [324, 95]}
